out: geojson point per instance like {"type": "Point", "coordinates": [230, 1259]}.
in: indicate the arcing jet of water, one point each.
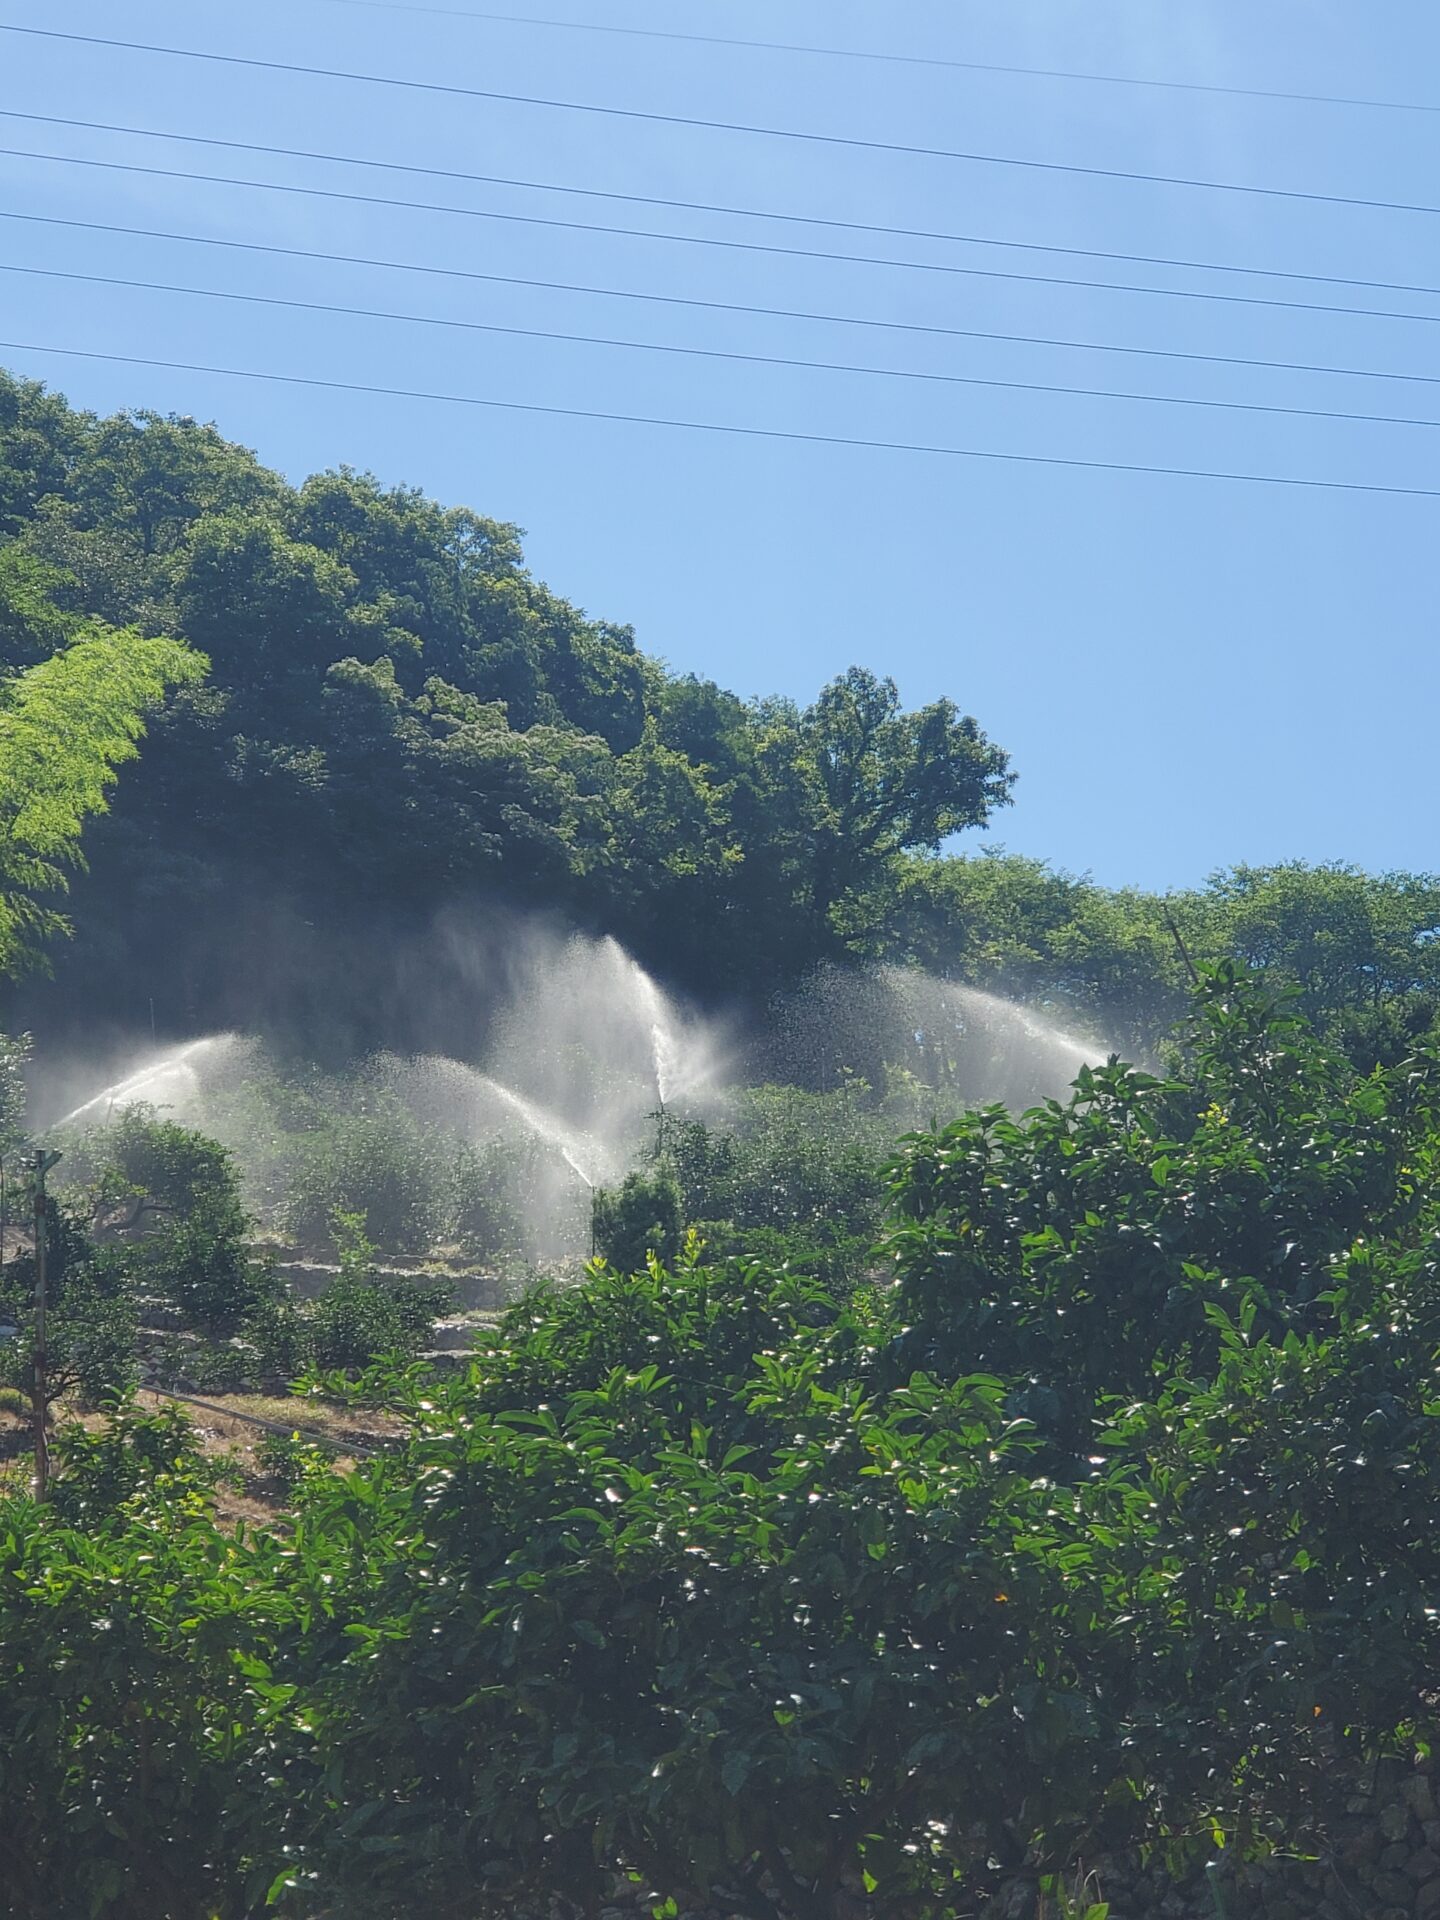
{"type": "Point", "coordinates": [544, 1125]}
{"type": "Point", "coordinates": [178, 1068]}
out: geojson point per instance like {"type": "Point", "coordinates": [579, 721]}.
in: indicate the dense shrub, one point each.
{"type": "Point", "coordinates": [381, 1164]}
{"type": "Point", "coordinates": [139, 1763]}
{"type": "Point", "coordinates": [787, 1159]}
{"type": "Point", "coordinates": [203, 1267]}
{"type": "Point", "coordinates": [1087, 1250]}
{"type": "Point", "coordinates": [358, 1318]}
{"type": "Point", "coordinates": [170, 1196]}
{"type": "Point", "coordinates": [90, 1323]}
{"type": "Point", "coordinates": [170, 1168]}
{"type": "Point", "coordinates": [638, 1219]}
{"type": "Point", "coordinates": [286, 1459]}
{"type": "Point", "coordinates": [1114, 1516]}
{"type": "Point", "coordinates": [824, 1248]}
{"type": "Point", "coordinates": [135, 1457]}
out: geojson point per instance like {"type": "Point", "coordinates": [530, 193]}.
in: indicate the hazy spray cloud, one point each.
{"type": "Point", "coordinates": [563, 1052]}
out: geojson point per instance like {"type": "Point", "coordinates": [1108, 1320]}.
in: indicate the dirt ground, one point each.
{"type": "Point", "coordinates": [228, 1428]}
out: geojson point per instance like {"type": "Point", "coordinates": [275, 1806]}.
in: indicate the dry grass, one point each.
{"type": "Point", "coordinates": [335, 1424]}
{"type": "Point", "coordinates": [248, 1494]}
{"type": "Point", "coordinates": [222, 1427]}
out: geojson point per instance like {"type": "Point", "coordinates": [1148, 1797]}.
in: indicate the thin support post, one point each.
{"type": "Point", "coordinates": [40, 1361]}
{"type": "Point", "coordinates": [1184, 951]}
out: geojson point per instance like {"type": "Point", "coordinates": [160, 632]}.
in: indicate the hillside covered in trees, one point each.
{"type": "Point", "coordinates": [911, 1504]}
{"type": "Point", "coordinates": [401, 728]}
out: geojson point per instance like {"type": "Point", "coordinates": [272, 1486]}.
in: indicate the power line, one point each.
{"type": "Point", "coordinates": [721, 306]}
{"type": "Point", "coordinates": [899, 59]}
{"type": "Point", "coordinates": [950, 268]}
{"type": "Point", "coordinates": [718, 353]}
{"type": "Point", "coordinates": [706, 206]}
{"type": "Point", "coordinates": [725, 427]}
{"type": "Point", "coordinates": [718, 126]}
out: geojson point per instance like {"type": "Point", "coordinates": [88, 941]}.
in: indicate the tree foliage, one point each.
{"type": "Point", "coordinates": [398, 712]}
{"type": "Point", "coordinates": [90, 1320]}
{"type": "Point", "coordinates": [66, 724]}
{"type": "Point", "coordinates": [1113, 1518]}
{"type": "Point", "coordinates": [400, 717]}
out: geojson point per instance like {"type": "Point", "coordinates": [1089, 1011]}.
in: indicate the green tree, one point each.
{"type": "Point", "coordinates": [170, 1197]}
{"type": "Point", "coordinates": [41, 438]}
{"type": "Point", "coordinates": [1363, 949]}
{"type": "Point", "coordinates": [359, 1319]}
{"type": "Point", "coordinates": [90, 1318]}
{"type": "Point", "coordinates": [139, 1797]}
{"type": "Point", "coordinates": [151, 477]}
{"type": "Point", "coordinates": [66, 725]}
{"type": "Point", "coordinates": [34, 623]}
{"type": "Point", "coordinates": [268, 609]}
{"type": "Point", "coordinates": [891, 781]}
{"type": "Point", "coordinates": [638, 1219]}
{"type": "Point", "coordinates": [15, 1052]}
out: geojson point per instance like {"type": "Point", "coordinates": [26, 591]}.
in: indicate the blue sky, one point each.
{"type": "Point", "coordinates": [1187, 673]}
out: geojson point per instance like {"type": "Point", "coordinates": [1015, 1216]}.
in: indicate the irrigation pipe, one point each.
{"type": "Point", "coordinates": [271, 1426]}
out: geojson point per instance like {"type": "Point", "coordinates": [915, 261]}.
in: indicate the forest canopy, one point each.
{"type": "Point", "coordinates": [398, 713]}
{"type": "Point", "coordinates": [876, 1527]}
{"type": "Point", "coordinates": [400, 720]}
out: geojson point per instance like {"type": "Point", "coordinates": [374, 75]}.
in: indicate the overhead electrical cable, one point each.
{"type": "Point", "coordinates": [917, 327]}
{"type": "Point", "coordinates": [805, 135]}
{"type": "Point", "coordinates": [725, 427]}
{"type": "Point", "coordinates": [946, 267]}
{"type": "Point", "coordinates": [717, 353]}
{"type": "Point", "coordinates": [706, 206]}
{"type": "Point", "coordinates": [896, 59]}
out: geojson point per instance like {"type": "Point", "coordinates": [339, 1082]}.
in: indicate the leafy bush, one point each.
{"type": "Point", "coordinates": [171, 1196]}
{"type": "Point", "coordinates": [1115, 1517]}
{"type": "Point", "coordinates": [357, 1319]}
{"type": "Point", "coordinates": [826, 1251]}
{"type": "Point", "coordinates": [143, 1748]}
{"type": "Point", "coordinates": [277, 1344]}
{"type": "Point", "coordinates": [205, 1270]}
{"type": "Point", "coordinates": [1088, 1249]}
{"type": "Point", "coordinates": [134, 1454]}
{"type": "Point", "coordinates": [381, 1164]}
{"type": "Point", "coordinates": [787, 1161]}
{"type": "Point", "coordinates": [171, 1168]}
{"type": "Point", "coordinates": [638, 1219]}
{"type": "Point", "coordinates": [90, 1321]}
{"type": "Point", "coordinates": [287, 1458]}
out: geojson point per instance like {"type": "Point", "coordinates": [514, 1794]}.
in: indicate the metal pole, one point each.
{"type": "Point", "coordinates": [40, 1363]}
{"type": "Point", "coordinates": [42, 1439]}
{"type": "Point", "coordinates": [1190, 966]}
